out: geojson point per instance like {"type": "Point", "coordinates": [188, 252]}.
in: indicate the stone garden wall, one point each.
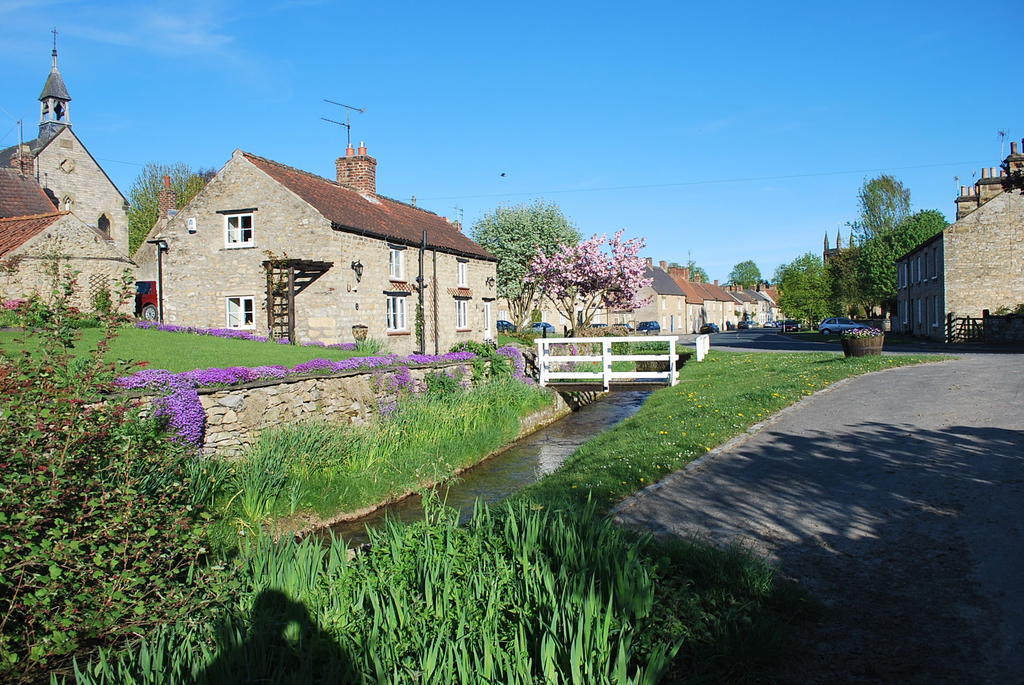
{"type": "Point", "coordinates": [236, 414]}
{"type": "Point", "coordinates": [1004, 329]}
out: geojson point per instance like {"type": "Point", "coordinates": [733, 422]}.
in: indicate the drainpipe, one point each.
{"type": "Point", "coordinates": [419, 281]}
{"type": "Point", "coordinates": [161, 247]}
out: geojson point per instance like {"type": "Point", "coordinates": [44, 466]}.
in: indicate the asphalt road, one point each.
{"type": "Point", "coordinates": [894, 498]}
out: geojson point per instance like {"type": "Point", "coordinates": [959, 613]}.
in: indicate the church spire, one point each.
{"type": "Point", "coordinates": [53, 114]}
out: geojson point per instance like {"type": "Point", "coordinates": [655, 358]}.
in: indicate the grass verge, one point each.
{"type": "Point", "coordinates": [311, 471]}
{"type": "Point", "coordinates": [715, 400]}
{"type": "Point", "coordinates": [180, 351]}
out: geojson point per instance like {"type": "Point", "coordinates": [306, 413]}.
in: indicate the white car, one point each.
{"type": "Point", "coordinates": [837, 324]}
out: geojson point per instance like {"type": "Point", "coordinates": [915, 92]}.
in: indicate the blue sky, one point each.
{"type": "Point", "coordinates": [719, 131]}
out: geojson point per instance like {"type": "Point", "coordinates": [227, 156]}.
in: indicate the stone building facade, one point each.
{"type": "Point", "coordinates": [705, 302]}
{"type": "Point", "coordinates": [976, 263]}
{"type": "Point", "coordinates": [349, 257]}
{"type": "Point", "coordinates": [66, 170]}
{"type": "Point", "coordinates": [666, 302]}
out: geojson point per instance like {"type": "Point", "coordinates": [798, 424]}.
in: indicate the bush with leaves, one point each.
{"type": "Point", "coordinates": [487, 363]}
{"type": "Point", "coordinates": [97, 528]}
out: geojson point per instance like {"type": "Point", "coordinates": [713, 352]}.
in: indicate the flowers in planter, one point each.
{"type": "Point", "coordinates": [859, 333]}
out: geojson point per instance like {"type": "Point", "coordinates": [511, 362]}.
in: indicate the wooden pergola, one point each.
{"type": "Point", "coordinates": [286, 278]}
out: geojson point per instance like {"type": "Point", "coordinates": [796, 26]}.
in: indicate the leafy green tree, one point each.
{"type": "Point", "coordinates": [884, 202]}
{"type": "Point", "coordinates": [745, 274]}
{"type": "Point", "coordinates": [144, 195]}
{"type": "Point", "coordinates": [803, 288]}
{"type": "Point", "coordinates": [846, 293]}
{"type": "Point", "coordinates": [696, 273]}
{"type": "Point", "coordinates": [878, 255]}
{"type": "Point", "coordinates": [514, 234]}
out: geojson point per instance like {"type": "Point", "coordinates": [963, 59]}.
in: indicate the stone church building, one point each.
{"type": "Point", "coordinates": [57, 202]}
{"type": "Point", "coordinates": [277, 250]}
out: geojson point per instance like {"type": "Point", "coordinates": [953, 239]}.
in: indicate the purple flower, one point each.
{"type": "Point", "coordinates": [186, 418]}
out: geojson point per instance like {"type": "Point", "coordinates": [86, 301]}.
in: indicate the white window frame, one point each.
{"type": "Point", "coordinates": [239, 302]}
{"type": "Point", "coordinates": [462, 315]}
{"type": "Point", "coordinates": [396, 264]}
{"type": "Point", "coordinates": [463, 272]}
{"type": "Point", "coordinates": [395, 318]}
{"type": "Point", "coordinates": [231, 244]}
{"type": "Point", "coordinates": [488, 320]}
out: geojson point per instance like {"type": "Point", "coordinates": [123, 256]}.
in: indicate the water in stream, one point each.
{"type": "Point", "coordinates": [525, 462]}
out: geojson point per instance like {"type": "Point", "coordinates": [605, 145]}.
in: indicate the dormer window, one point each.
{"type": "Point", "coordinates": [238, 230]}
{"type": "Point", "coordinates": [396, 266]}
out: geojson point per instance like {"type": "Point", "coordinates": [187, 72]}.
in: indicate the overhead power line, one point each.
{"type": "Point", "coordinates": [679, 184]}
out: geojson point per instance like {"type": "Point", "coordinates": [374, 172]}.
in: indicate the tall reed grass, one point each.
{"type": "Point", "coordinates": [526, 596]}
{"type": "Point", "coordinates": [326, 468]}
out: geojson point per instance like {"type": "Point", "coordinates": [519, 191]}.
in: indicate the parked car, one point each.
{"type": "Point", "coordinates": [541, 327]}
{"type": "Point", "coordinates": [790, 325]}
{"type": "Point", "coordinates": [599, 325]}
{"type": "Point", "coordinates": [709, 328]}
{"type": "Point", "coordinates": [743, 325]}
{"type": "Point", "coordinates": [837, 324]}
{"type": "Point", "coordinates": [147, 305]}
{"type": "Point", "coordinates": [648, 327]}
{"type": "Point", "coordinates": [505, 326]}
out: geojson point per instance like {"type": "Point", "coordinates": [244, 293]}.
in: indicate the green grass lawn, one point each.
{"type": "Point", "coordinates": [181, 351]}
{"type": "Point", "coordinates": [714, 401]}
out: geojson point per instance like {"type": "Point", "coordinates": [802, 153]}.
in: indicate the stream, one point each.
{"type": "Point", "coordinates": [525, 462]}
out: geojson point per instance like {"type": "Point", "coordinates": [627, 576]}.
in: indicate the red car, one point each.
{"type": "Point", "coordinates": [147, 304]}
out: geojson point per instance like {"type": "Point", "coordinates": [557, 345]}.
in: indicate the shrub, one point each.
{"type": "Point", "coordinates": [488, 363]}
{"type": "Point", "coordinates": [97, 534]}
{"type": "Point", "coordinates": [441, 383]}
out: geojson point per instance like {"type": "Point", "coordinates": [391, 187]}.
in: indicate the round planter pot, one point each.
{"type": "Point", "coordinates": [862, 347]}
{"type": "Point", "coordinates": [359, 332]}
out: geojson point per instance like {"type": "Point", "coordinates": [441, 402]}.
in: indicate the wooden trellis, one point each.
{"type": "Point", "coordinates": [286, 278]}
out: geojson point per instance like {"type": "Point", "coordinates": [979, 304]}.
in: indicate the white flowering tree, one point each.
{"type": "Point", "coordinates": [597, 273]}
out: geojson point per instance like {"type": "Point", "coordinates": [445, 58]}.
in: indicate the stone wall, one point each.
{"type": "Point", "coordinates": [1004, 329]}
{"type": "Point", "coordinates": [984, 257]}
{"type": "Point", "coordinates": [66, 168]}
{"type": "Point", "coordinates": [98, 263]}
{"type": "Point", "coordinates": [201, 272]}
{"type": "Point", "coordinates": [236, 415]}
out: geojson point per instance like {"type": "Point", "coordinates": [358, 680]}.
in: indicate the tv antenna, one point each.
{"type": "Point", "coordinates": [1002, 140]}
{"type": "Point", "coordinates": [348, 119]}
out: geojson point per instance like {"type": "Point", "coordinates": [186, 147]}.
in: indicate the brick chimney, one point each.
{"type": "Point", "coordinates": [664, 265]}
{"type": "Point", "coordinates": [358, 170]}
{"type": "Point", "coordinates": [650, 262]}
{"type": "Point", "coordinates": [716, 282]}
{"type": "Point", "coordinates": [168, 199]}
{"type": "Point", "coordinates": [679, 274]}
{"type": "Point", "coordinates": [23, 161]}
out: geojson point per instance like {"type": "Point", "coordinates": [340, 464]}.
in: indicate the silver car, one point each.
{"type": "Point", "coordinates": [837, 324]}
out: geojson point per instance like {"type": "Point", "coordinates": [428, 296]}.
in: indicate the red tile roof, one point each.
{"type": "Point", "coordinates": [22, 196]}
{"type": "Point", "coordinates": [373, 215]}
{"type": "Point", "coordinates": [15, 232]}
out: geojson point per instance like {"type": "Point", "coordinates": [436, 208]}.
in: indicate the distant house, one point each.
{"type": "Point", "coordinates": [666, 301]}
{"type": "Point", "coordinates": [57, 203]}
{"type": "Point", "coordinates": [705, 302]}
{"type": "Point", "coordinates": [756, 304]}
{"type": "Point", "coordinates": [277, 250]}
{"type": "Point", "coordinates": [973, 265]}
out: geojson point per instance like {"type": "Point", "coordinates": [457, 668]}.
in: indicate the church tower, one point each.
{"type": "Point", "coordinates": [54, 114]}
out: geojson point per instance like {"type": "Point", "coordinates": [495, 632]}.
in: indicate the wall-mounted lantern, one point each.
{"type": "Point", "coordinates": [490, 281]}
{"type": "Point", "coordinates": [357, 266]}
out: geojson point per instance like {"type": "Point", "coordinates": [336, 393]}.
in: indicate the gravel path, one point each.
{"type": "Point", "coordinates": [896, 499]}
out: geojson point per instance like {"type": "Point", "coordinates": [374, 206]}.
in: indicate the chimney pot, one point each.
{"type": "Point", "coordinates": [350, 151]}
{"type": "Point", "coordinates": [716, 281]}
{"type": "Point", "coordinates": [664, 265]}
{"type": "Point", "coordinates": [992, 172]}
{"type": "Point", "coordinates": [362, 149]}
{"type": "Point", "coordinates": [650, 261]}
{"type": "Point", "coordinates": [984, 172]}
{"type": "Point", "coordinates": [1013, 147]}
{"type": "Point", "coordinates": [167, 181]}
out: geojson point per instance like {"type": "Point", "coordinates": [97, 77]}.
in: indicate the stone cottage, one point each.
{"type": "Point", "coordinates": [976, 263]}
{"type": "Point", "coordinates": [268, 247]}
{"type": "Point", "coordinates": [705, 302]}
{"type": "Point", "coordinates": [666, 302]}
{"type": "Point", "coordinates": [57, 203]}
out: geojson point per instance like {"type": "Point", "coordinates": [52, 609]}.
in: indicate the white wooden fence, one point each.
{"type": "Point", "coordinates": [546, 361]}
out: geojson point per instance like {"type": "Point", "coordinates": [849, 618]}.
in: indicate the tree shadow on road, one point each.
{"type": "Point", "coordinates": [890, 526]}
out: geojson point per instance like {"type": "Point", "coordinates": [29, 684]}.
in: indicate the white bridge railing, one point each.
{"type": "Point", "coordinates": [547, 361]}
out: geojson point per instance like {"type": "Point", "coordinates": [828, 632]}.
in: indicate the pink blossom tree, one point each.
{"type": "Point", "coordinates": [584, 278]}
